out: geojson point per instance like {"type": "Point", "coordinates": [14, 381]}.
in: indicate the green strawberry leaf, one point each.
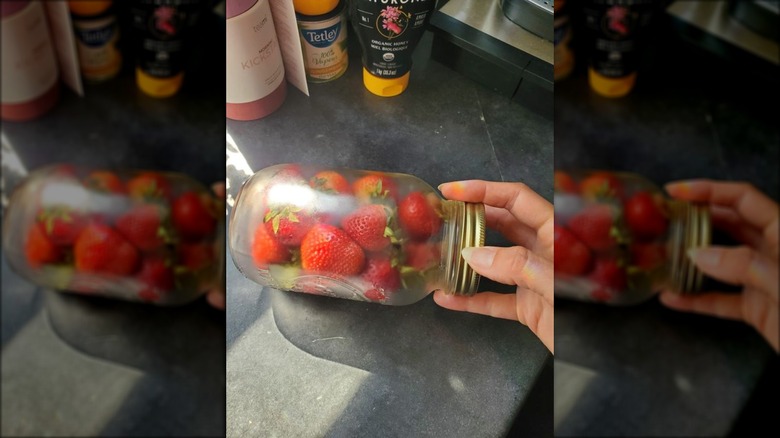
{"type": "Point", "coordinates": [619, 236]}
{"type": "Point", "coordinates": [51, 214]}
{"type": "Point", "coordinates": [269, 215]}
{"type": "Point", "coordinates": [295, 258]}
{"type": "Point", "coordinates": [632, 270]}
{"type": "Point", "coordinates": [408, 270]}
{"type": "Point", "coordinates": [275, 224]}
{"type": "Point", "coordinates": [167, 237]}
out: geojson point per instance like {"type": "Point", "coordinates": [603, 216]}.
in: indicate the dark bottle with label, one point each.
{"type": "Point", "coordinates": [618, 31]}
{"type": "Point", "coordinates": [162, 30]}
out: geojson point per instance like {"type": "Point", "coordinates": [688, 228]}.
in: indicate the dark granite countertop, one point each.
{"type": "Point", "coordinates": [646, 370]}
{"type": "Point", "coordinates": [81, 366]}
{"type": "Point", "coordinates": [301, 365]}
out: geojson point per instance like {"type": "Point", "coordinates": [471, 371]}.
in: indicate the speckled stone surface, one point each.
{"type": "Point", "coordinates": [649, 371]}
{"type": "Point", "coordinates": [75, 366]}
{"type": "Point", "coordinates": [301, 365]}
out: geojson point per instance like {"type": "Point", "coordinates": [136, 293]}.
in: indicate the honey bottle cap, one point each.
{"type": "Point", "coordinates": [385, 87]}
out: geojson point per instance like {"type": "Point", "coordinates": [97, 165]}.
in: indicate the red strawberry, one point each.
{"type": "Point", "coordinates": [594, 226]}
{"type": "Point", "coordinates": [369, 227]}
{"type": "Point", "coordinates": [284, 176]}
{"type": "Point", "coordinates": [563, 182]}
{"type": "Point", "coordinates": [288, 224]}
{"type": "Point", "coordinates": [328, 249]}
{"type": "Point", "coordinates": [38, 249]}
{"type": "Point", "coordinates": [289, 173]}
{"type": "Point", "coordinates": [104, 181]}
{"type": "Point", "coordinates": [601, 295]}
{"type": "Point", "coordinates": [267, 250]}
{"type": "Point", "coordinates": [192, 215]}
{"type": "Point", "coordinates": [143, 227]}
{"type": "Point", "coordinates": [62, 224]}
{"type": "Point", "coordinates": [418, 218]}
{"type": "Point", "coordinates": [100, 248]}
{"type": "Point", "coordinates": [156, 277]}
{"type": "Point", "coordinates": [609, 275]}
{"type": "Point", "coordinates": [645, 216]}
{"type": "Point", "coordinates": [572, 257]}
{"type": "Point", "coordinates": [374, 294]}
{"type": "Point", "coordinates": [383, 277]}
{"type": "Point", "coordinates": [148, 186]}
{"type": "Point", "coordinates": [66, 170]}
{"type": "Point", "coordinates": [195, 256]}
{"type": "Point", "coordinates": [601, 185]}
{"type": "Point", "coordinates": [374, 186]}
{"type": "Point", "coordinates": [648, 256]}
{"type": "Point", "coordinates": [330, 182]}
{"type": "Point", "coordinates": [421, 255]}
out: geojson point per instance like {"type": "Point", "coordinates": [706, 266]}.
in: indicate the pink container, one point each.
{"type": "Point", "coordinates": [30, 77]}
{"type": "Point", "coordinates": [256, 85]}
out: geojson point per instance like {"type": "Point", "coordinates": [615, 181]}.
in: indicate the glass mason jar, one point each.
{"type": "Point", "coordinates": [137, 235]}
{"type": "Point", "coordinates": [381, 237]}
{"type": "Point", "coordinates": [619, 240]}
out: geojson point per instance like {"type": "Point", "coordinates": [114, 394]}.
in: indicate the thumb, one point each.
{"type": "Point", "coordinates": [514, 265]}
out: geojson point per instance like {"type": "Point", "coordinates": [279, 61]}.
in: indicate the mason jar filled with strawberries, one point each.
{"type": "Point", "coordinates": [379, 237]}
{"type": "Point", "coordinates": [619, 240]}
{"type": "Point", "coordinates": [137, 235]}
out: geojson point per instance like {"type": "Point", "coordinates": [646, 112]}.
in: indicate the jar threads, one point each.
{"type": "Point", "coordinates": [467, 229]}
{"type": "Point", "coordinates": [691, 228]}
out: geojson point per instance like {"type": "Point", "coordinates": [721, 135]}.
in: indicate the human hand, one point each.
{"type": "Point", "coordinates": [524, 218]}
{"type": "Point", "coordinates": [751, 218]}
{"type": "Point", "coordinates": [216, 296]}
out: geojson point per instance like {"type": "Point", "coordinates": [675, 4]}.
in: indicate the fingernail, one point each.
{"type": "Point", "coordinates": [678, 187]}
{"type": "Point", "coordinates": [668, 297]}
{"type": "Point", "coordinates": [479, 257]}
{"type": "Point", "coordinates": [704, 257]}
{"type": "Point", "coordinates": [440, 186]}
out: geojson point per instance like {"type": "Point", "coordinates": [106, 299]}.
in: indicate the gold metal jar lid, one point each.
{"type": "Point", "coordinates": [691, 228]}
{"type": "Point", "coordinates": [472, 233]}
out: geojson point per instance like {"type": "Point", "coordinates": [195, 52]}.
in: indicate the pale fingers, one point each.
{"type": "Point", "coordinates": [219, 189]}
{"type": "Point", "coordinates": [515, 265]}
{"type": "Point", "coordinates": [722, 305]}
{"type": "Point", "coordinates": [739, 265]}
{"type": "Point", "coordinates": [485, 303]}
{"type": "Point", "coordinates": [216, 298]}
{"type": "Point", "coordinates": [751, 306]}
{"type": "Point", "coordinates": [753, 206]}
{"type": "Point", "coordinates": [525, 204]}
{"type": "Point", "coordinates": [508, 225]}
{"type": "Point", "coordinates": [526, 307]}
{"type": "Point", "coordinates": [538, 314]}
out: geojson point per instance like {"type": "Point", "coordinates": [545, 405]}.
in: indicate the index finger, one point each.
{"type": "Point", "coordinates": [520, 200]}
{"type": "Point", "coordinates": [754, 207]}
